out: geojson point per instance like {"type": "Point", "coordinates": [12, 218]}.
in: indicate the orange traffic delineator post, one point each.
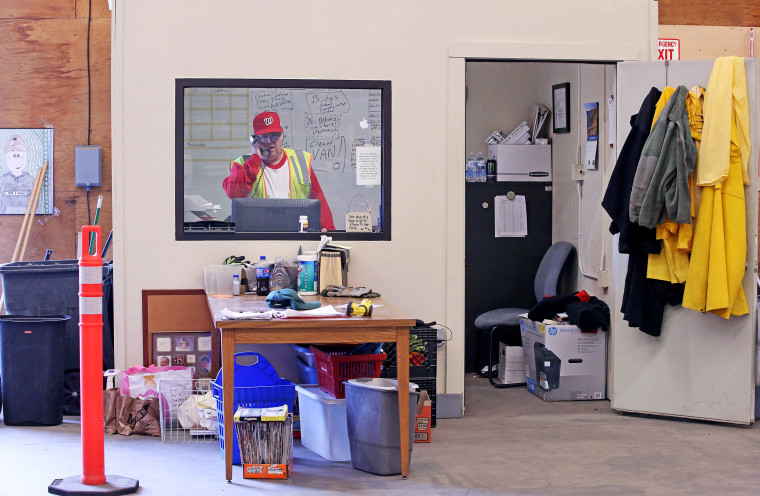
{"type": "Point", "coordinates": [93, 479]}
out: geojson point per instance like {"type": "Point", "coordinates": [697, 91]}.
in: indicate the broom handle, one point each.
{"type": "Point", "coordinates": [35, 198]}
{"type": "Point", "coordinates": [30, 207]}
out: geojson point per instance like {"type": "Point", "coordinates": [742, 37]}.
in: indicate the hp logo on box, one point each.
{"type": "Point", "coordinates": [552, 331]}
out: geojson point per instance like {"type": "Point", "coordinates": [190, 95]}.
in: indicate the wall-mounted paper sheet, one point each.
{"type": "Point", "coordinates": [511, 217]}
{"type": "Point", "coordinates": [368, 165]}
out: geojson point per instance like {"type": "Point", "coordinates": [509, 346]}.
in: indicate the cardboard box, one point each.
{"type": "Point", "coordinates": [260, 471]}
{"type": "Point", "coordinates": [563, 363]}
{"type": "Point", "coordinates": [522, 162]}
{"type": "Point", "coordinates": [511, 368]}
{"type": "Point", "coordinates": [422, 419]}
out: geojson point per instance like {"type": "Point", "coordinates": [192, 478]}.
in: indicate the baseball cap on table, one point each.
{"type": "Point", "coordinates": [282, 298]}
{"type": "Point", "coordinates": [266, 122]}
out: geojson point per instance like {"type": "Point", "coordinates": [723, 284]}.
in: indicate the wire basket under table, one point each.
{"type": "Point", "coordinates": [188, 411]}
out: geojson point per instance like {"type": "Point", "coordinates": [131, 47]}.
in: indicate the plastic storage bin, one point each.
{"type": "Point", "coordinates": [373, 425]}
{"type": "Point", "coordinates": [31, 366]}
{"type": "Point", "coordinates": [323, 423]}
{"type": "Point", "coordinates": [256, 385]}
{"type": "Point", "coordinates": [305, 354]}
{"type": "Point", "coordinates": [308, 375]}
{"type": "Point", "coordinates": [217, 279]}
{"type": "Point", "coordinates": [335, 367]}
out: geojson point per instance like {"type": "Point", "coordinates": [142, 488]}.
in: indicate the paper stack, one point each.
{"type": "Point", "coordinates": [519, 136]}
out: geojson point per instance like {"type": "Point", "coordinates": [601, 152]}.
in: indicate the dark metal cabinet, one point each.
{"type": "Point", "coordinates": [499, 272]}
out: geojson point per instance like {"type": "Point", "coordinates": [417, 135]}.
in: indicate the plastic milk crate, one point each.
{"type": "Point", "coordinates": [422, 362]}
{"type": "Point", "coordinates": [256, 385]}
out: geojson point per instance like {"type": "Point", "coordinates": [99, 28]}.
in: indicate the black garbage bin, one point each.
{"type": "Point", "coordinates": [31, 368]}
{"type": "Point", "coordinates": [51, 287]}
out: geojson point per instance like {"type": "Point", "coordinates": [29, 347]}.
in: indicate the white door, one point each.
{"type": "Point", "coordinates": [702, 366]}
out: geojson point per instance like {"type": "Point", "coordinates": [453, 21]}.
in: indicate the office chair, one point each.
{"type": "Point", "coordinates": [547, 283]}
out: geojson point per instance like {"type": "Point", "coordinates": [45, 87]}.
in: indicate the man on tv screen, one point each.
{"type": "Point", "coordinates": [286, 173]}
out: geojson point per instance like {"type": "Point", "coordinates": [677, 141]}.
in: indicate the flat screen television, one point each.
{"type": "Point", "coordinates": [274, 214]}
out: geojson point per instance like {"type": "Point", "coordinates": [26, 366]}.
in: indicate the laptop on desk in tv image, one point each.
{"type": "Point", "coordinates": [274, 214]}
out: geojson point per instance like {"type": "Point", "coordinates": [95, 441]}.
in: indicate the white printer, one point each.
{"type": "Point", "coordinates": [522, 162]}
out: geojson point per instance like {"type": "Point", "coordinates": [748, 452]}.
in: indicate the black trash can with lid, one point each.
{"type": "Point", "coordinates": [31, 368]}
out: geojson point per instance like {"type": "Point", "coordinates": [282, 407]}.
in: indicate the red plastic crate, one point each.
{"type": "Point", "coordinates": [335, 367]}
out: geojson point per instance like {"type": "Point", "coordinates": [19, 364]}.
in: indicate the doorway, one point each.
{"type": "Point", "coordinates": [499, 272]}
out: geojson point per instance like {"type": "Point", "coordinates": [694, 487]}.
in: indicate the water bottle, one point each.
{"type": "Point", "coordinates": [481, 169]}
{"type": "Point", "coordinates": [235, 285]}
{"type": "Point", "coordinates": [262, 276]}
{"type": "Point", "coordinates": [279, 279]}
{"type": "Point", "coordinates": [470, 166]}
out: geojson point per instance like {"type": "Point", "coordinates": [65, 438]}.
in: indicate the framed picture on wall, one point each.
{"type": "Point", "coordinates": [561, 108]}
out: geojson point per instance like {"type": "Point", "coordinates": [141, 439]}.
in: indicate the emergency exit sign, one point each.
{"type": "Point", "coordinates": [668, 49]}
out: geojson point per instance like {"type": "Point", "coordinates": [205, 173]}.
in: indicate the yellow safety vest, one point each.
{"type": "Point", "coordinates": [300, 175]}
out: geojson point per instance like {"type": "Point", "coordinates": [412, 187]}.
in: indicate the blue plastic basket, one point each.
{"type": "Point", "coordinates": [256, 385]}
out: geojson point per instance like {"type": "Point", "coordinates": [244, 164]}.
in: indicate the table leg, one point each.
{"type": "Point", "coordinates": [402, 366]}
{"type": "Point", "coordinates": [228, 383]}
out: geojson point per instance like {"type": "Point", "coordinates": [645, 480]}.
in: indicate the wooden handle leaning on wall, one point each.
{"type": "Point", "coordinates": [26, 226]}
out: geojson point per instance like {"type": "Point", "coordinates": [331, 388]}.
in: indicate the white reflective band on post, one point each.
{"type": "Point", "coordinates": [90, 275]}
{"type": "Point", "coordinates": [90, 305]}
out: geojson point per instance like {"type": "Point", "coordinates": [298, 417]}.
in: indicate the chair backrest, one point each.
{"type": "Point", "coordinates": [551, 269]}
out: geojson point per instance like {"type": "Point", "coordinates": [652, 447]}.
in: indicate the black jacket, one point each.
{"type": "Point", "coordinates": [643, 299]}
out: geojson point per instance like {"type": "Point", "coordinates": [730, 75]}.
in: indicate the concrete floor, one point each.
{"type": "Point", "coordinates": [509, 443]}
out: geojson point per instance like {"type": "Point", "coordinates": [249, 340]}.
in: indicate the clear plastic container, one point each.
{"type": "Point", "coordinates": [324, 429]}
{"type": "Point", "coordinates": [279, 279]}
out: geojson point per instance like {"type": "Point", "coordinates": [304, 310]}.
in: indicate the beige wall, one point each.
{"type": "Point", "coordinates": [419, 46]}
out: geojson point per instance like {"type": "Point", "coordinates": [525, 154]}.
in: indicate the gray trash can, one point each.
{"type": "Point", "coordinates": [373, 425]}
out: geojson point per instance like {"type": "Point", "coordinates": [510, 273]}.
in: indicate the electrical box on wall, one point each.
{"type": "Point", "coordinates": [88, 165]}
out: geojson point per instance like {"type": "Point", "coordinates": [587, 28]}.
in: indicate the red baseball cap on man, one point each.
{"type": "Point", "coordinates": [266, 122]}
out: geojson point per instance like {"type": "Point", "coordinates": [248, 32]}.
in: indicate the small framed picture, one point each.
{"type": "Point", "coordinates": [183, 343]}
{"type": "Point", "coordinates": [561, 107]}
{"type": "Point", "coordinates": [163, 344]}
{"type": "Point", "coordinates": [204, 343]}
{"type": "Point", "coordinates": [204, 365]}
{"type": "Point", "coordinates": [178, 360]}
{"type": "Point", "coordinates": [190, 358]}
{"type": "Point", "coordinates": [164, 361]}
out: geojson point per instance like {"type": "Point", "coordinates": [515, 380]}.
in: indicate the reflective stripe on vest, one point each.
{"type": "Point", "coordinates": [300, 175]}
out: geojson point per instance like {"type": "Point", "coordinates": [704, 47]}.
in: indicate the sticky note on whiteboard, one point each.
{"type": "Point", "coordinates": [368, 166]}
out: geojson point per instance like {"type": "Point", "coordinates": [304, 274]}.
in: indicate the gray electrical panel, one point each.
{"type": "Point", "coordinates": [88, 165]}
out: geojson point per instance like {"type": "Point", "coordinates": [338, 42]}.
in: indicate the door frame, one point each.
{"type": "Point", "coordinates": [459, 53]}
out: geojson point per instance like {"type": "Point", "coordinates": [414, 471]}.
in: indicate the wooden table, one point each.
{"type": "Point", "coordinates": [387, 324]}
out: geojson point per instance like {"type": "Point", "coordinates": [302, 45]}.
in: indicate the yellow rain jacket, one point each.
{"type": "Point", "coordinates": [716, 270]}
{"type": "Point", "coordinates": [672, 263]}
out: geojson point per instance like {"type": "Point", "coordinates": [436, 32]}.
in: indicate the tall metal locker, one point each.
{"type": "Point", "coordinates": [702, 366]}
{"type": "Point", "coordinates": [499, 272]}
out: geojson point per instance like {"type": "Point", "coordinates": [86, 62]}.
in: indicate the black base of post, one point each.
{"type": "Point", "coordinates": [115, 484]}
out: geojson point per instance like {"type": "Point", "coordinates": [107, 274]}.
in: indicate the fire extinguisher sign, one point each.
{"type": "Point", "coordinates": [668, 49]}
